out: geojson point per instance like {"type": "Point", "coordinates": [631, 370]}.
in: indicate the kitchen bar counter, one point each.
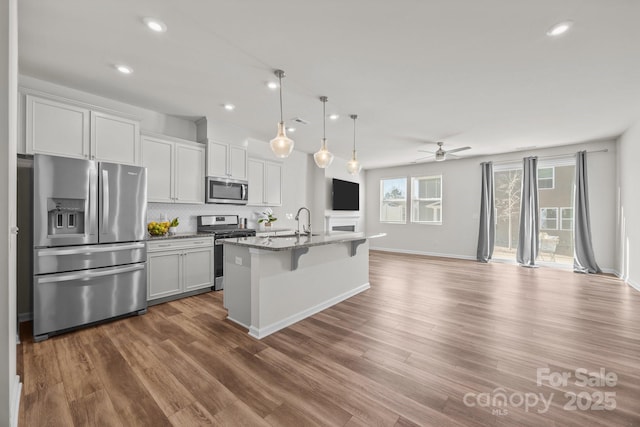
{"type": "Point", "coordinates": [271, 283]}
{"type": "Point", "coordinates": [187, 235]}
{"type": "Point", "coordinates": [284, 243]}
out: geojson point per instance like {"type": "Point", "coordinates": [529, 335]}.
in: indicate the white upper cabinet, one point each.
{"type": "Point", "coordinates": [226, 160]}
{"type": "Point", "coordinates": [256, 182]}
{"type": "Point", "coordinates": [70, 129]}
{"type": "Point", "coordinates": [115, 139]}
{"type": "Point", "coordinates": [158, 157]}
{"type": "Point", "coordinates": [175, 169]}
{"type": "Point", "coordinates": [56, 128]}
{"type": "Point", "coordinates": [272, 184]}
{"type": "Point", "coordinates": [265, 183]}
{"type": "Point", "coordinates": [189, 173]}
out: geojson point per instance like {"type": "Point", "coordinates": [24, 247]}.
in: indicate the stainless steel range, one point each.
{"type": "Point", "coordinates": [222, 227]}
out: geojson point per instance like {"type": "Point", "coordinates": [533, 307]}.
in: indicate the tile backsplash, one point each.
{"type": "Point", "coordinates": [187, 214]}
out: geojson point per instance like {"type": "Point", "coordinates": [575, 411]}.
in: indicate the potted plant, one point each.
{"type": "Point", "coordinates": [173, 225]}
{"type": "Point", "coordinates": [266, 217]}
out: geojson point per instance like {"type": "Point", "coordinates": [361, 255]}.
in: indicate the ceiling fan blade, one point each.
{"type": "Point", "coordinates": [455, 150]}
{"type": "Point", "coordinates": [421, 158]}
{"type": "Point", "coordinates": [426, 151]}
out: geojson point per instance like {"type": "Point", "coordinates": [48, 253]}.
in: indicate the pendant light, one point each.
{"type": "Point", "coordinates": [353, 166]}
{"type": "Point", "coordinates": [323, 157]}
{"type": "Point", "coordinates": [281, 145]}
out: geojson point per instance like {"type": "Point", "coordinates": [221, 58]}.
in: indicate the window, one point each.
{"type": "Point", "coordinates": [426, 199]}
{"type": "Point", "coordinates": [546, 178]}
{"type": "Point", "coordinates": [566, 219]}
{"type": "Point", "coordinates": [393, 200]}
{"type": "Point", "coordinates": [548, 218]}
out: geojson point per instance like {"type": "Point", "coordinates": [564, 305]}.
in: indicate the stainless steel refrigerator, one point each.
{"type": "Point", "coordinates": [90, 257]}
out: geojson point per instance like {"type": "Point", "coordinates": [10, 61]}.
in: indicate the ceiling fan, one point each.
{"type": "Point", "coordinates": [441, 154]}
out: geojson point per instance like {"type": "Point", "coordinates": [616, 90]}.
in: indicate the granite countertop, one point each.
{"type": "Point", "coordinates": [283, 243]}
{"type": "Point", "coordinates": [273, 229]}
{"type": "Point", "coordinates": [186, 235]}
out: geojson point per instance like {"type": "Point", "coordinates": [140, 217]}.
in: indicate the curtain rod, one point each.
{"type": "Point", "coordinates": [555, 156]}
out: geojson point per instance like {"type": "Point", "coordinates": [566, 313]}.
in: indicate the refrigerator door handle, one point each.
{"type": "Point", "coordinates": [88, 275]}
{"type": "Point", "coordinates": [89, 249]}
{"type": "Point", "coordinates": [105, 201]}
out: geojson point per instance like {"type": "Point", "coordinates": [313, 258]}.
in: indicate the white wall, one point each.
{"type": "Point", "coordinates": [458, 234]}
{"type": "Point", "coordinates": [628, 224]}
{"type": "Point", "coordinates": [9, 382]}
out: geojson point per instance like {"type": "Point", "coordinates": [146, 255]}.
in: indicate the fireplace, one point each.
{"type": "Point", "coordinates": [342, 222]}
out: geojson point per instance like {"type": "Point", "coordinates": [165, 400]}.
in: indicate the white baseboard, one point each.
{"type": "Point", "coordinates": [238, 323]}
{"type": "Point", "coordinates": [15, 401]}
{"type": "Point", "coordinates": [412, 252]}
{"type": "Point", "coordinates": [621, 276]}
{"type": "Point", "coordinates": [260, 333]}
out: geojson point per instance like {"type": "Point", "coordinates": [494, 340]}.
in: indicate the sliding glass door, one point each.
{"type": "Point", "coordinates": [555, 195]}
{"type": "Point", "coordinates": [507, 183]}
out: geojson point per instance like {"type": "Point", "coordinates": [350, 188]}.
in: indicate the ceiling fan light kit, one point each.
{"type": "Point", "coordinates": [281, 145]}
{"type": "Point", "coordinates": [441, 154]}
{"type": "Point", "coordinates": [323, 157]}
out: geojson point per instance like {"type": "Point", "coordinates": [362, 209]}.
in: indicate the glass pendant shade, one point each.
{"type": "Point", "coordinates": [353, 166]}
{"type": "Point", "coordinates": [281, 145]}
{"type": "Point", "coordinates": [323, 157]}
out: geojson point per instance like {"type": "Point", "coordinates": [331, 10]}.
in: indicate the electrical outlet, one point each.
{"type": "Point", "coordinates": [238, 260]}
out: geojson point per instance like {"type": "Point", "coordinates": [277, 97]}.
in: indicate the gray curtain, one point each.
{"type": "Point", "coordinates": [486, 235]}
{"type": "Point", "coordinates": [583, 259]}
{"type": "Point", "coordinates": [528, 243]}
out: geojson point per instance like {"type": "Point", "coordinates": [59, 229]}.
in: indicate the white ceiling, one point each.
{"type": "Point", "coordinates": [469, 72]}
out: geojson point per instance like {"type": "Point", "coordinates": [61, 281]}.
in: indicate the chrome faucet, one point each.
{"type": "Point", "coordinates": [307, 229]}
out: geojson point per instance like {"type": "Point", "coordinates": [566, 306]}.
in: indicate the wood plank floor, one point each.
{"type": "Point", "coordinates": [433, 342]}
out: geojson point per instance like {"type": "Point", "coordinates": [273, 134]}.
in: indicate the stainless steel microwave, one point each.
{"type": "Point", "coordinates": [226, 190]}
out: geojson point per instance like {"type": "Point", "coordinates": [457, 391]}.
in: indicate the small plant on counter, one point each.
{"type": "Point", "coordinates": [267, 217]}
{"type": "Point", "coordinates": [174, 222]}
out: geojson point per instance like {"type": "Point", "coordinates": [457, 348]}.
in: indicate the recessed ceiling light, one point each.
{"type": "Point", "coordinates": [124, 69]}
{"type": "Point", "coordinates": [559, 29]}
{"type": "Point", "coordinates": [229, 107]}
{"type": "Point", "coordinates": [334, 116]}
{"type": "Point", "coordinates": [155, 25]}
{"type": "Point", "coordinates": [272, 85]}
{"type": "Point", "coordinates": [290, 129]}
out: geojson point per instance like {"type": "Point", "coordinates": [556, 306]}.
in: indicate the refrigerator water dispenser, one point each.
{"type": "Point", "coordinates": [66, 216]}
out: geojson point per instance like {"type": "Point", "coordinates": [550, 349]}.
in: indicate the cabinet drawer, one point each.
{"type": "Point", "coordinates": [171, 244]}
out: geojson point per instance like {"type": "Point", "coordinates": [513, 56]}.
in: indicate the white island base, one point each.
{"type": "Point", "coordinates": [263, 293]}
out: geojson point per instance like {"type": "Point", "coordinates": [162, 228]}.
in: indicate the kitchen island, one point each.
{"type": "Point", "coordinates": [273, 282]}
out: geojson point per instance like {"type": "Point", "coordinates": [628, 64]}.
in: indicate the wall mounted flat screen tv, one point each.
{"type": "Point", "coordinates": [346, 195]}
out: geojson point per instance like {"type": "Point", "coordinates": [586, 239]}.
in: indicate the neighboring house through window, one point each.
{"type": "Point", "coordinates": [393, 200]}
{"type": "Point", "coordinates": [548, 218]}
{"type": "Point", "coordinates": [566, 219]}
{"type": "Point", "coordinates": [546, 178]}
{"type": "Point", "coordinates": [426, 199]}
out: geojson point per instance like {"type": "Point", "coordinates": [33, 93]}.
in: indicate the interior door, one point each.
{"type": "Point", "coordinates": [123, 203]}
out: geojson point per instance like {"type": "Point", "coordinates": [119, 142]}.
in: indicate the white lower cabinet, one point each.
{"type": "Point", "coordinates": [177, 266]}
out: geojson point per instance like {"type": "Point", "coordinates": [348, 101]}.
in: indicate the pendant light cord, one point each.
{"type": "Point", "coordinates": [280, 84]}
{"type": "Point", "coordinates": [354, 117]}
{"type": "Point", "coordinates": [324, 120]}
